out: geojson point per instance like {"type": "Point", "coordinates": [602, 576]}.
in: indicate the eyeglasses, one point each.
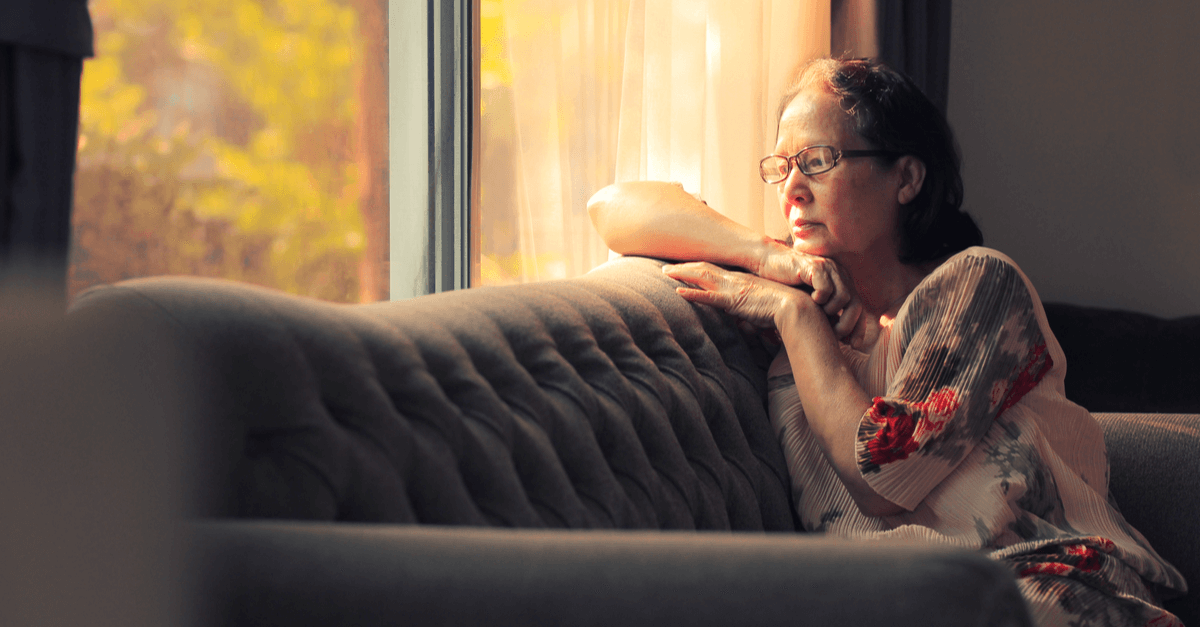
{"type": "Point", "coordinates": [811, 160]}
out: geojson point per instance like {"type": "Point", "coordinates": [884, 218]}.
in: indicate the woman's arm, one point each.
{"type": "Point", "coordinates": [971, 347]}
{"type": "Point", "coordinates": [662, 220]}
{"type": "Point", "coordinates": [657, 219]}
{"type": "Point", "coordinates": [833, 400]}
{"type": "Point", "coordinates": [834, 403]}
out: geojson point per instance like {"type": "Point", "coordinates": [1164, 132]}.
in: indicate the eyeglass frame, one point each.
{"type": "Point", "coordinates": [837, 157]}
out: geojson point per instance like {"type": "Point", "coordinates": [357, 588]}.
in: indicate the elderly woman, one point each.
{"type": "Point", "coordinates": [919, 391]}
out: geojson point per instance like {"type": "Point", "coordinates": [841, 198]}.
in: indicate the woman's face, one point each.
{"type": "Point", "coordinates": [849, 211]}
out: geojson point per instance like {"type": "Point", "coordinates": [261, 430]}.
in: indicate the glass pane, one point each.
{"type": "Point", "coordinates": [242, 139]}
{"type": "Point", "coordinates": [550, 79]}
{"type": "Point", "coordinates": [500, 249]}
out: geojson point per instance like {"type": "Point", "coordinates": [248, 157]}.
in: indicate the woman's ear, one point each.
{"type": "Point", "coordinates": [912, 177]}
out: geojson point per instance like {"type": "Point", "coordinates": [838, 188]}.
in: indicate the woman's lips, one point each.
{"type": "Point", "coordinates": [800, 229]}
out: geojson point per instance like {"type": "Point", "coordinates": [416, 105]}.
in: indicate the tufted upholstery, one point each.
{"type": "Point", "coordinates": [602, 403]}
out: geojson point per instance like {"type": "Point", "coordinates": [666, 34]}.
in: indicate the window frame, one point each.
{"type": "Point", "coordinates": [433, 146]}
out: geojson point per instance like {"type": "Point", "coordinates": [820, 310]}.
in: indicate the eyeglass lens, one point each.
{"type": "Point", "coordinates": [813, 160]}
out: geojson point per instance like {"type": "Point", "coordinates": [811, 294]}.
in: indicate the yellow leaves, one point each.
{"type": "Point", "coordinates": [269, 144]}
{"type": "Point", "coordinates": [270, 194]}
{"type": "Point", "coordinates": [243, 112]}
{"type": "Point", "coordinates": [248, 16]}
{"type": "Point", "coordinates": [112, 106]}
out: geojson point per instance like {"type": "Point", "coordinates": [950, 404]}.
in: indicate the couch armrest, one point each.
{"type": "Point", "coordinates": [1153, 464]}
{"type": "Point", "coordinates": [270, 573]}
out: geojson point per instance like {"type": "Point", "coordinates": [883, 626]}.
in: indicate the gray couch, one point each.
{"type": "Point", "coordinates": [592, 451]}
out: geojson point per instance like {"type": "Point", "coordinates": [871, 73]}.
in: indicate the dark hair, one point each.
{"type": "Point", "coordinates": [891, 113]}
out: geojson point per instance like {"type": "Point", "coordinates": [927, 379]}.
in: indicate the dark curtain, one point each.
{"type": "Point", "coordinates": [42, 46]}
{"type": "Point", "coordinates": [914, 37]}
{"type": "Point", "coordinates": [39, 118]}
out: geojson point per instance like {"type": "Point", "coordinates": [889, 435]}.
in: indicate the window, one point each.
{"type": "Point", "coordinates": [244, 139]}
{"type": "Point", "coordinates": [240, 139]}
{"type": "Point", "coordinates": [578, 94]}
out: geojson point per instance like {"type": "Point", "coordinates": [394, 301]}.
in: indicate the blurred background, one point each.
{"type": "Point", "coordinates": [243, 139]}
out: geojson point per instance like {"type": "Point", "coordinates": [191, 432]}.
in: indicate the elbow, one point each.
{"type": "Point", "coordinates": [879, 507]}
{"type": "Point", "coordinates": [598, 204]}
{"type": "Point", "coordinates": [601, 207]}
{"type": "Point", "coordinates": [871, 504]}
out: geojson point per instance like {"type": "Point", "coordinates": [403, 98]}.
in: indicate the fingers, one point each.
{"type": "Point", "coordinates": [737, 293]}
{"type": "Point", "coordinates": [699, 273]}
{"type": "Point", "coordinates": [733, 292]}
{"type": "Point", "coordinates": [705, 280]}
{"type": "Point", "coordinates": [842, 295]}
{"type": "Point", "coordinates": [706, 297]}
{"type": "Point", "coordinates": [823, 287]}
{"type": "Point", "coordinates": [848, 319]}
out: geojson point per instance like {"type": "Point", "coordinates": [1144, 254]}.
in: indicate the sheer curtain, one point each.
{"type": "Point", "coordinates": [616, 90]}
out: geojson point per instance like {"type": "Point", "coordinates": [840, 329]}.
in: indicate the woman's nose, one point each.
{"type": "Point", "coordinates": [794, 189]}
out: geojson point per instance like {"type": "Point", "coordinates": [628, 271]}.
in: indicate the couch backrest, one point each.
{"type": "Point", "coordinates": [1123, 361]}
{"type": "Point", "coordinates": [602, 401]}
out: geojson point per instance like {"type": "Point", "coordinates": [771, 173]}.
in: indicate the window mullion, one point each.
{"type": "Point", "coordinates": [433, 131]}
{"type": "Point", "coordinates": [453, 55]}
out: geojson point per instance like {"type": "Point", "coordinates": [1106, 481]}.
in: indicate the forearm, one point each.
{"type": "Point", "coordinates": [662, 220]}
{"type": "Point", "coordinates": [834, 403]}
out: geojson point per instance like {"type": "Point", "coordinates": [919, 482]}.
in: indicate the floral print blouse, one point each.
{"type": "Point", "coordinates": [971, 433]}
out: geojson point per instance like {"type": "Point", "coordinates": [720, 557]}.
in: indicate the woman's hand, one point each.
{"type": "Point", "coordinates": [832, 289]}
{"type": "Point", "coordinates": [751, 298]}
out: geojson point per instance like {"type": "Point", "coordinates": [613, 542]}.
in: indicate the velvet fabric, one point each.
{"type": "Point", "coordinates": [1153, 462]}
{"type": "Point", "coordinates": [278, 573]}
{"type": "Point", "coordinates": [591, 403]}
{"type": "Point", "coordinates": [1124, 361]}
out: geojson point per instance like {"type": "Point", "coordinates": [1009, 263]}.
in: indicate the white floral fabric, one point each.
{"type": "Point", "coordinates": [970, 431]}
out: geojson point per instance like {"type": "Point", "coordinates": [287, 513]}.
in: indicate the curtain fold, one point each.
{"type": "Point", "coordinates": [701, 86]}
{"type": "Point", "coordinates": [725, 64]}
{"type": "Point", "coordinates": [567, 59]}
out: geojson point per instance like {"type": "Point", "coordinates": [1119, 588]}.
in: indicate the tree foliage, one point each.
{"type": "Point", "coordinates": [218, 138]}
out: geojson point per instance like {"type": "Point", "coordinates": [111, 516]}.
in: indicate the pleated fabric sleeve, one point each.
{"type": "Point", "coordinates": [971, 347]}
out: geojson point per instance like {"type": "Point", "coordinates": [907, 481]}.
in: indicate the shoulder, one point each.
{"type": "Point", "coordinates": [974, 281]}
{"type": "Point", "coordinates": [973, 257]}
{"type": "Point", "coordinates": [976, 269]}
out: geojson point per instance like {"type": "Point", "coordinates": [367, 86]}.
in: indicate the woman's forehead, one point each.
{"type": "Point", "coordinates": [814, 116]}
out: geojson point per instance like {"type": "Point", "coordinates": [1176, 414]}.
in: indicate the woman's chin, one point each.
{"type": "Point", "coordinates": [811, 246]}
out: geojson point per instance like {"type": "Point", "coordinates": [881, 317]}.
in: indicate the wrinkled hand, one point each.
{"type": "Point", "coordinates": [831, 287]}
{"type": "Point", "coordinates": [751, 298]}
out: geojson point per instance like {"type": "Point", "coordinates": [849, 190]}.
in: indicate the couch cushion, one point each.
{"type": "Point", "coordinates": [1123, 361]}
{"type": "Point", "coordinates": [602, 401]}
{"type": "Point", "coordinates": [1153, 466]}
{"type": "Point", "coordinates": [296, 574]}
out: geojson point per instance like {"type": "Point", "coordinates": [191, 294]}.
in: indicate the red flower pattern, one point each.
{"type": "Point", "coordinates": [1036, 367]}
{"type": "Point", "coordinates": [901, 433]}
{"type": "Point", "coordinates": [1089, 558]}
{"type": "Point", "coordinates": [894, 440]}
{"type": "Point", "coordinates": [1045, 568]}
{"type": "Point", "coordinates": [1082, 557]}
